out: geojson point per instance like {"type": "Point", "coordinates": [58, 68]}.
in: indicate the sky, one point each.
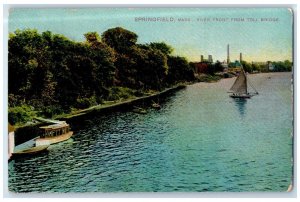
{"type": "Point", "coordinates": [260, 34]}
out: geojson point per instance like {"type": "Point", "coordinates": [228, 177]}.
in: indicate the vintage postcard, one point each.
{"type": "Point", "coordinates": [146, 99]}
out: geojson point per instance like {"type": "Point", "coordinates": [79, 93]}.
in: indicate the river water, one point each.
{"type": "Point", "coordinates": [201, 140]}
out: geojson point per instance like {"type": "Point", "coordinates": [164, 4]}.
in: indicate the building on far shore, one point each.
{"type": "Point", "coordinates": [210, 60]}
{"type": "Point", "coordinates": [224, 65]}
{"type": "Point", "coordinates": [236, 64]}
{"type": "Point", "coordinates": [202, 67]}
{"type": "Point", "coordinates": [270, 66]}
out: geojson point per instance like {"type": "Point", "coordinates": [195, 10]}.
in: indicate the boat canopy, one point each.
{"type": "Point", "coordinates": [55, 129]}
{"type": "Point", "coordinates": [55, 126]}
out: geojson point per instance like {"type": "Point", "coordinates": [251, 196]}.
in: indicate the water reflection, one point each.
{"type": "Point", "coordinates": [241, 105]}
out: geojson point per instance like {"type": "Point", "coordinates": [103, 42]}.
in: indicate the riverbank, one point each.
{"type": "Point", "coordinates": [30, 130]}
{"type": "Point", "coordinates": [116, 105]}
{"type": "Point", "coordinates": [109, 105]}
{"type": "Point", "coordinates": [209, 78]}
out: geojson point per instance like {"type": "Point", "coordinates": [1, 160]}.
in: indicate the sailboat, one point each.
{"type": "Point", "coordinates": [240, 89]}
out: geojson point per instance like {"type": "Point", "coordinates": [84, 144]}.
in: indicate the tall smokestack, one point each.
{"type": "Point", "coordinates": [241, 57]}
{"type": "Point", "coordinates": [228, 57]}
{"type": "Point", "coordinates": [210, 58]}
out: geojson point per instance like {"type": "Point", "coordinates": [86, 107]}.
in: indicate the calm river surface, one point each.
{"type": "Point", "coordinates": [201, 140]}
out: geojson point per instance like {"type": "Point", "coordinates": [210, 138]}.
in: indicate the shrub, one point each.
{"type": "Point", "coordinates": [50, 111]}
{"type": "Point", "coordinates": [117, 93]}
{"type": "Point", "coordinates": [14, 100]}
{"type": "Point", "coordinates": [20, 114]}
{"type": "Point", "coordinates": [208, 78]}
{"type": "Point", "coordinates": [86, 102]}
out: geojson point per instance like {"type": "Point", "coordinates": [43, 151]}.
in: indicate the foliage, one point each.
{"type": "Point", "coordinates": [213, 68]}
{"type": "Point", "coordinates": [179, 70]}
{"type": "Point", "coordinates": [50, 111]}
{"type": "Point", "coordinates": [218, 67]}
{"type": "Point", "coordinates": [119, 39]}
{"type": "Point", "coordinates": [49, 69]}
{"type": "Point", "coordinates": [152, 68]}
{"type": "Point", "coordinates": [282, 66]}
{"type": "Point", "coordinates": [86, 102]}
{"type": "Point", "coordinates": [20, 114]}
{"type": "Point", "coordinates": [14, 100]}
{"type": "Point", "coordinates": [92, 37]}
{"type": "Point", "coordinates": [117, 93]}
{"type": "Point", "coordinates": [54, 74]}
{"type": "Point", "coordinates": [247, 67]}
{"type": "Point", "coordinates": [163, 47]}
{"type": "Point", "coordinates": [208, 78]}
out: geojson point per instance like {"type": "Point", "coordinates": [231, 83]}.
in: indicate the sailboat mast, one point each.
{"type": "Point", "coordinates": [246, 84]}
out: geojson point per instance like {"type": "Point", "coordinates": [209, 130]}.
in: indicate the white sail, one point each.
{"type": "Point", "coordinates": [240, 84]}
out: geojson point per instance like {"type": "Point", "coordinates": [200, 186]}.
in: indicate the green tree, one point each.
{"type": "Point", "coordinates": [126, 71]}
{"type": "Point", "coordinates": [92, 38]}
{"type": "Point", "coordinates": [282, 66]}
{"type": "Point", "coordinates": [218, 66]}
{"type": "Point", "coordinates": [179, 70]}
{"type": "Point", "coordinates": [288, 65]}
{"type": "Point", "coordinates": [247, 67]}
{"type": "Point", "coordinates": [163, 47]}
{"type": "Point", "coordinates": [51, 73]}
{"type": "Point", "coordinates": [119, 39]}
{"type": "Point", "coordinates": [29, 62]}
{"type": "Point", "coordinates": [153, 68]}
{"type": "Point", "coordinates": [104, 69]}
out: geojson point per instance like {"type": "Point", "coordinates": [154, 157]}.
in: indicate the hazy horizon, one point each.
{"type": "Point", "coordinates": [261, 34]}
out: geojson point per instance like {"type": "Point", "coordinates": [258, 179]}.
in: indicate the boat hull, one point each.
{"type": "Point", "coordinates": [31, 151]}
{"type": "Point", "coordinates": [246, 96]}
{"type": "Point", "coordinates": [156, 106]}
{"type": "Point", "coordinates": [53, 140]}
{"type": "Point", "coordinates": [140, 111]}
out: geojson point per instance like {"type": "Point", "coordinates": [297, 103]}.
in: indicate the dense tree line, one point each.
{"type": "Point", "coordinates": [282, 66]}
{"type": "Point", "coordinates": [51, 74]}
{"type": "Point", "coordinates": [275, 66]}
